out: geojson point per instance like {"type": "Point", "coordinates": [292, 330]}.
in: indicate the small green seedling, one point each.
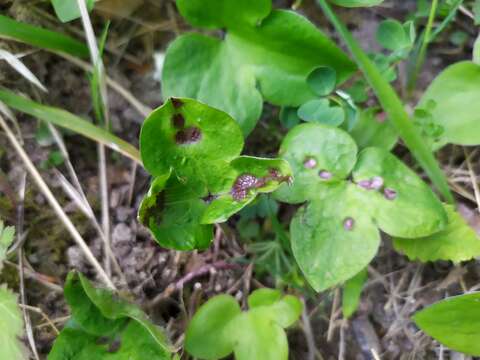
{"type": "Point", "coordinates": [104, 326]}
{"type": "Point", "coordinates": [193, 151]}
{"type": "Point", "coordinates": [220, 327]}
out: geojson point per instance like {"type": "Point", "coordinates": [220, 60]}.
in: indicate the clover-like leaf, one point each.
{"type": "Point", "coordinates": [260, 58]}
{"type": "Point", "coordinates": [191, 137]}
{"type": "Point", "coordinates": [392, 35]}
{"type": "Point", "coordinates": [173, 210]}
{"type": "Point", "coordinates": [103, 325]}
{"type": "Point", "coordinates": [452, 102]}
{"type": "Point", "coordinates": [371, 130]}
{"type": "Point", "coordinates": [356, 3]}
{"type": "Point", "coordinates": [6, 238]}
{"type": "Point", "coordinates": [457, 242]}
{"type": "Point", "coordinates": [12, 329]}
{"type": "Point", "coordinates": [401, 203]}
{"type": "Point", "coordinates": [319, 155]}
{"type": "Point", "coordinates": [454, 322]}
{"type": "Point", "coordinates": [251, 176]}
{"type": "Point", "coordinates": [219, 327]}
{"type": "Point", "coordinates": [334, 237]}
{"type": "Point", "coordinates": [322, 80]}
{"type": "Point", "coordinates": [320, 111]}
{"type": "Point", "coordinates": [206, 335]}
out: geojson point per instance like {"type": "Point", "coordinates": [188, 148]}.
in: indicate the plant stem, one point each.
{"type": "Point", "coordinates": [392, 105]}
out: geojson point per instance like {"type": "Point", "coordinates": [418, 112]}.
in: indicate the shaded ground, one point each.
{"type": "Point", "coordinates": [171, 285]}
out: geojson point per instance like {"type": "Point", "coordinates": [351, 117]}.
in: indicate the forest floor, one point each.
{"type": "Point", "coordinates": [168, 284]}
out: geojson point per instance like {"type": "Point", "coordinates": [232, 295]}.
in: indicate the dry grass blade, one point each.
{"type": "Point", "coordinates": [15, 63]}
{"type": "Point", "coordinates": [55, 205]}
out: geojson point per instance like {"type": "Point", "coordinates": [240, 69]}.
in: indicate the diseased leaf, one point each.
{"type": "Point", "coordinates": [356, 3]}
{"type": "Point", "coordinates": [11, 325]}
{"type": "Point", "coordinates": [7, 234]}
{"type": "Point", "coordinates": [207, 336]}
{"type": "Point", "coordinates": [457, 242]}
{"type": "Point", "coordinates": [252, 176]}
{"type": "Point", "coordinates": [105, 326]}
{"type": "Point", "coordinates": [454, 323]}
{"type": "Point", "coordinates": [333, 237]}
{"type": "Point", "coordinates": [352, 290]}
{"type": "Point", "coordinates": [318, 155]}
{"type": "Point", "coordinates": [191, 138]}
{"type": "Point", "coordinates": [401, 203]}
{"type": "Point", "coordinates": [260, 58]}
{"type": "Point", "coordinates": [173, 210]}
{"type": "Point", "coordinates": [451, 99]}
{"type": "Point", "coordinates": [320, 111]}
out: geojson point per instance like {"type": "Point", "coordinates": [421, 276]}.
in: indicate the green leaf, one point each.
{"type": "Point", "coordinates": [454, 93]}
{"type": "Point", "coordinates": [258, 337]}
{"type": "Point", "coordinates": [454, 323]}
{"type": "Point", "coordinates": [11, 323]}
{"type": "Point", "coordinates": [207, 336]}
{"type": "Point", "coordinates": [173, 210]}
{"type": "Point", "coordinates": [322, 80]}
{"type": "Point", "coordinates": [352, 291]}
{"type": "Point", "coordinates": [320, 111]}
{"type": "Point", "coordinates": [289, 117]}
{"type": "Point", "coordinates": [261, 58]}
{"type": "Point", "coordinates": [457, 242]}
{"type": "Point", "coordinates": [7, 234]}
{"type": "Point", "coordinates": [102, 321]}
{"type": "Point", "coordinates": [68, 121]}
{"type": "Point", "coordinates": [401, 203]}
{"type": "Point", "coordinates": [369, 131]}
{"type": "Point", "coordinates": [251, 176]}
{"type": "Point", "coordinates": [42, 38]}
{"type": "Point", "coordinates": [219, 327]}
{"type": "Point", "coordinates": [333, 237]}
{"type": "Point", "coordinates": [319, 155]}
{"type": "Point", "coordinates": [476, 11]}
{"type": "Point", "coordinates": [392, 35]}
{"type": "Point", "coordinates": [67, 10]}
{"type": "Point", "coordinates": [356, 3]}
{"type": "Point", "coordinates": [392, 105]}
{"type": "Point", "coordinates": [192, 138]}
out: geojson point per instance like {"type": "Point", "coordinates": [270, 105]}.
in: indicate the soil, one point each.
{"type": "Point", "coordinates": [170, 285]}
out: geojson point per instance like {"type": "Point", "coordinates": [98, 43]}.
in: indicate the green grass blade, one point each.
{"type": "Point", "coordinates": [392, 104]}
{"type": "Point", "coordinates": [69, 121]}
{"type": "Point", "coordinates": [42, 38]}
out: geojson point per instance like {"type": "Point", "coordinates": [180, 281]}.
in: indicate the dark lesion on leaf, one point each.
{"type": "Point", "coordinates": [176, 102]}
{"type": "Point", "coordinates": [325, 174]}
{"type": "Point", "coordinates": [209, 198]}
{"type": "Point", "coordinates": [348, 223]}
{"type": "Point", "coordinates": [153, 210]}
{"type": "Point", "coordinates": [178, 121]}
{"type": "Point", "coordinates": [310, 162]}
{"type": "Point", "coordinates": [190, 135]}
{"type": "Point", "coordinates": [114, 346]}
{"type": "Point", "coordinates": [246, 182]}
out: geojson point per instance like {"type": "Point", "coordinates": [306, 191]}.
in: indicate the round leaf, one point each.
{"type": "Point", "coordinates": [392, 35]}
{"type": "Point", "coordinates": [319, 155]}
{"type": "Point", "coordinates": [320, 111]}
{"type": "Point", "coordinates": [401, 203]}
{"type": "Point", "coordinates": [322, 80]}
{"type": "Point", "coordinates": [191, 137]}
{"type": "Point", "coordinates": [207, 336]}
{"type": "Point", "coordinates": [333, 238]}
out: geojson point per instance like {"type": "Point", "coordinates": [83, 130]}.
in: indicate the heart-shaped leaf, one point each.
{"type": "Point", "coordinates": [457, 242]}
{"type": "Point", "coordinates": [320, 111]}
{"type": "Point", "coordinates": [260, 58]}
{"type": "Point", "coordinates": [322, 80]}
{"type": "Point", "coordinates": [333, 237]}
{"type": "Point", "coordinates": [401, 203]}
{"type": "Point", "coordinates": [318, 155]}
{"type": "Point", "coordinates": [392, 35]}
{"type": "Point", "coordinates": [219, 327]}
{"type": "Point", "coordinates": [451, 99]}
